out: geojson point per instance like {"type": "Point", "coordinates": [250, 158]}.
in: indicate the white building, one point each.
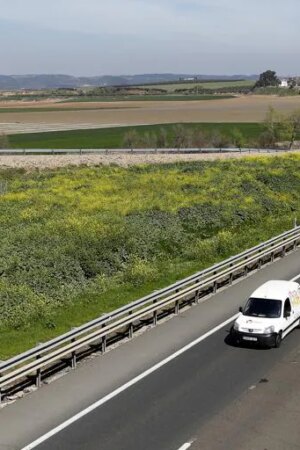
{"type": "Point", "coordinates": [284, 83]}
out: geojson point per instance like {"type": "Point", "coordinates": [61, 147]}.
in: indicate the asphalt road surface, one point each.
{"type": "Point", "coordinates": [169, 408]}
{"type": "Point", "coordinates": [165, 410]}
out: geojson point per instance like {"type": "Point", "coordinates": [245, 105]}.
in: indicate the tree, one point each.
{"type": "Point", "coordinates": [294, 126]}
{"type": "Point", "coordinates": [280, 128]}
{"type": "Point", "coordinates": [181, 137]}
{"type": "Point", "coordinates": [292, 83]}
{"type": "Point", "coordinates": [4, 142]}
{"type": "Point", "coordinates": [131, 139]}
{"type": "Point", "coordinates": [271, 132]}
{"type": "Point", "coordinates": [162, 138]}
{"type": "Point", "coordinates": [238, 139]}
{"type": "Point", "coordinates": [268, 78]}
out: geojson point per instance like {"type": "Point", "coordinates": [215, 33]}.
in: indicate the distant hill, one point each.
{"type": "Point", "coordinates": [17, 82]}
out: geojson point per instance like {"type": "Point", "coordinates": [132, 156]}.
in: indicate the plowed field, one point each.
{"type": "Point", "coordinates": [240, 109]}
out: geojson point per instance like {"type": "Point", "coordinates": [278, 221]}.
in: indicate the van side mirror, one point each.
{"type": "Point", "coordinates": [241, 309]}
{"type": "Point", "coordinates": [287, 314]}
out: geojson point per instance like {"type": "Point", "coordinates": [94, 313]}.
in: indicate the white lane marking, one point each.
{"type": "Point", "coordinates": [127, 385]}
{"type": "Point", "coordinates": [295, 278]}
{"type": "Point", "coordinates": [186, 446]}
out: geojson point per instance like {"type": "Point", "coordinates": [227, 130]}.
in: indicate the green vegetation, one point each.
{"type": "Point", "coordinates": [280, 92]}
{"type": "Point", "coordinates": [269, 84]}
{"type": "Point", "coordinates": [134, 93]}
{"type": "Point", "coordinates": [116, 137]}
{"type": "Point", "coordinates": [172, 87]}
{"type": "Point", "coordinates": [149, 97]}
{"type": "Point", "coordinates": [4, 141]}
{"type": "Point", "coordinates": [77, 242]}
{"type": "Point", "coordinates": [267, 78]}
{"type": "Point", "coordinates": [280, 128]}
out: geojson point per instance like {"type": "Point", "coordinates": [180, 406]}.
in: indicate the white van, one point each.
{"type": "Point", "coordinates": [271, 312]}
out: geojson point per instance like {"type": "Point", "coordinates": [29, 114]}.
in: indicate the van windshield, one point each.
{"type": "Point", "coordinates": [260, 307]}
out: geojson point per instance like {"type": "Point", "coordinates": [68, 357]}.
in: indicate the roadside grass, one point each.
{"type": "Point", "coordinates": [79, 242]}
{"type": "Point", "coordinates": [88, 306]}
{"type": "Point", "coordinates": [114, 137]}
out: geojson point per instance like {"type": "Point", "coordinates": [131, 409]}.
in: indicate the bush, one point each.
{"type": "Point", "coordinates": [139, 272]}
{"type": "Point", "coordinates": [20, 306]}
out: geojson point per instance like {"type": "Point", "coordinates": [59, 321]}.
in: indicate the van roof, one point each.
{"type": "Point", "coordinates": [275, 289]}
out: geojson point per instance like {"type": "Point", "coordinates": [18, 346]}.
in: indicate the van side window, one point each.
{"type": "Point", "coordinates": [287, 307]}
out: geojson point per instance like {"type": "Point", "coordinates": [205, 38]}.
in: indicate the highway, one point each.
{"type": "Point", "coordinates": [165, 410]}
{"type": "Point", "coordinates": [171, 407]}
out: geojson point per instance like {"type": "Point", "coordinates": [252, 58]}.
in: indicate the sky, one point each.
{"type": "Point", "coordinates": [101, 37]}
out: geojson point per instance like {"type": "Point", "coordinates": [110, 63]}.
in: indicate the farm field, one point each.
{"type": "Point", "coordinates": [89, 103]}
{"type": "Point", "coordinates": [147, 98]}
{"type": "Point", "coordinates": [114, 137]}
{"type": "Point", "coordinates": [171, 87]}
{"type": "Point", "coordinates": [78, 242]}
{"type": "Point", "coordinates": [104, 115]}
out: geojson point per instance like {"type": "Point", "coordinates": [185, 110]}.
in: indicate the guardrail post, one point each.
{"type": "Point", "coordinates": [38, 376]}
{"type": "Point", "coordinates": [176, 307]}
{"type": "Point", "coordinates": [74, 357]}
{"type": "Point", "coordinates": [215, 287]}
{"type": "Point", "coordinates": [259, 263]}
{"type": "Point", "coordinates": [246, 270]}
{"type": "Point", "coordinates": [197, 295]}
{"type": "Point", "coordinates": [283, 251]}
{"type": "Point", "coordinates": [154, 315]}
{"type": "Point", "coordinates": [130, 331]}
{"type": "Point", "coordinates": [295, 245]}
{"type": "Point", "coordinates": [103, 344]}
{"type": "Point", "coordinates": [272, 257]}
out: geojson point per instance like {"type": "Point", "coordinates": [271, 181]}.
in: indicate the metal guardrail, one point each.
{"type": "Point", "coordinates": [35, 362]}
{"type": "Point", "coordinates": [78, 151]}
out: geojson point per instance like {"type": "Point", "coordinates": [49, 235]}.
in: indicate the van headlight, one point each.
{"type": "Point", "coordinates": [236, 326]}
{"type": "Point", "coordinates": [269, 330]}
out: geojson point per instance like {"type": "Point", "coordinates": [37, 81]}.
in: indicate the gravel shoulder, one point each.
{"type": "Point", "coordinates": [123, 160]}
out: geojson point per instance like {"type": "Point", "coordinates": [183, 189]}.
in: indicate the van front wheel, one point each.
{"type": "Point", "coordinates": [278, 340]}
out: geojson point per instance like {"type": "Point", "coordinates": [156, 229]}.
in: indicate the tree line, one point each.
{"type": "Point", "coordinates": [277, 130]}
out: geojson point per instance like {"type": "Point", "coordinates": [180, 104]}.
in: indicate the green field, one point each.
{"type": "Point", "coordinates": [171, 87]}
{"type": "Point", "coordinates": [78, 242]}
{"type": "Point", "coordinates": [114, 137]}
{"type": "Point", "coordinates": [153, 98]}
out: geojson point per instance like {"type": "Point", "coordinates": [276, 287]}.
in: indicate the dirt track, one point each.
{"type": "Point", "coordinates": [124, 160]}
{"type": "Point", "coordinates": [241, 109]}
